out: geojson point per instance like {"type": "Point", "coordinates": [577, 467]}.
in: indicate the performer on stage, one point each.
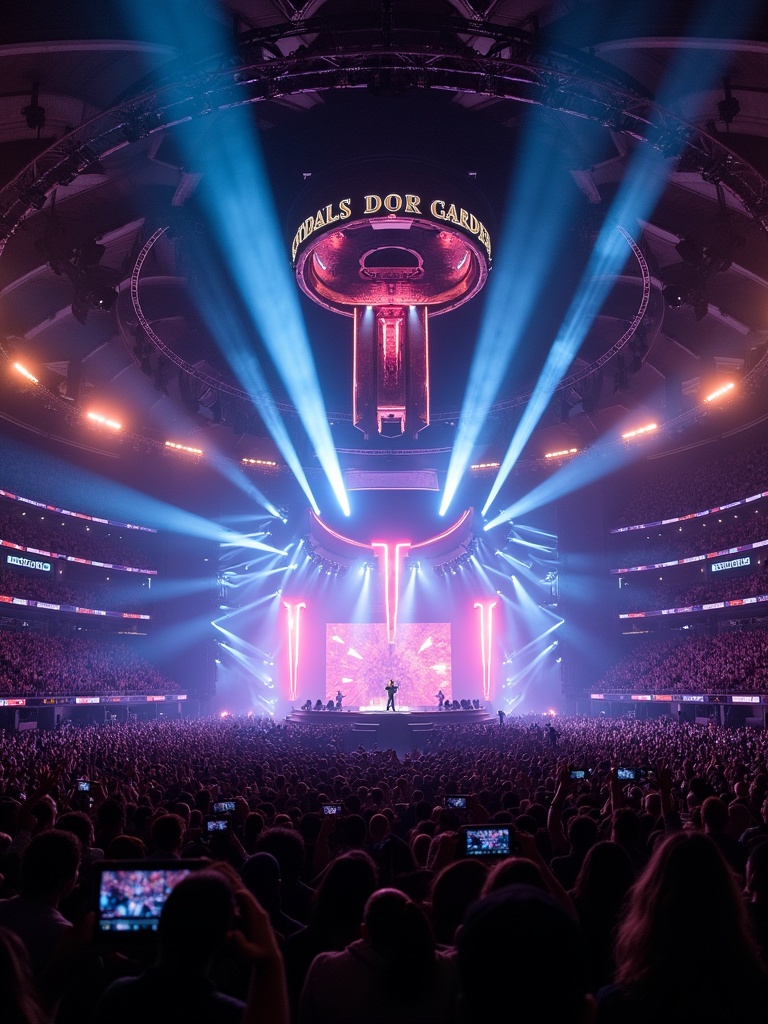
{"type": "Point", "coordinates": [339, 698]}
{"type": "Point", "coordinates": [440, 697]}
{"type": "Point", "coordinates": [391, 689]}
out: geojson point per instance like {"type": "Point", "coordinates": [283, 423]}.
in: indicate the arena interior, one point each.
{"type": "Point", "coordinates": [356, 342]}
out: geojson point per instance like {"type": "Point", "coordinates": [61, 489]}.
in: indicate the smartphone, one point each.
{"type": "Point", "coordinates": [456, 803]}
{"type": "Point", "coordinates": [83, 786]}
{"type": "Point", "coordinates": [224, 807]}
{"type": "Point", "coordinates": [214, 826]}
{"type": "Point", "coordinates": [331, 808]}
{"type": "Point", "coordinates": [578, 773]}
{"type": "Point", "coordinates": [131, 894]}
{"type": "Point", "coordinates": [626, 774]}
{"type": "Point", "coordinates": [487, 840]}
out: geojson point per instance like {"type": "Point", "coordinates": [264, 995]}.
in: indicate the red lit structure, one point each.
{"type": "Point", "coordinates": [391, 247]}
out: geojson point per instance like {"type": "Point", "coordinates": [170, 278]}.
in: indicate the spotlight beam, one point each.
{"type": "Point", "coordinates": [239, 479]}
{"type": "Point", "coordinates": [572, 476]}
{"type": "Point", "coordinates": [238, 196]}
{"type": "Point", "coordinates": [532, 643]}
{"type": "Point", "coordinates": [528, 243]}
{"type": "Point", "coordinates": [527, 667]}
{"type": "Point", "coordinates": [223, 315]}
{"type": "Point", "coordinates": [638, 194]}
{"type": "Point", "coordinates": [531, 544]}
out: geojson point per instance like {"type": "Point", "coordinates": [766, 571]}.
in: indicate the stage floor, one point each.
{"type": "Point", "coordinates": [402, 730]}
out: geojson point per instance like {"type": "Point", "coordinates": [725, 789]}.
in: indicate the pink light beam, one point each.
{"type": "Point", "coordinates": [391, 585]}
{"type": "Point", "coordinates": [486, 643]}
{"type": "Point", "coordinates": [293, 619]}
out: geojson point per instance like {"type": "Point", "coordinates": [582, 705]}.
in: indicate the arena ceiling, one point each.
{"type": "Point", "coordinates": [94, 157]}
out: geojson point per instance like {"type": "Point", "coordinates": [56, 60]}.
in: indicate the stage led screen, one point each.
{"type": "Point", "coordinates": [359, 662]}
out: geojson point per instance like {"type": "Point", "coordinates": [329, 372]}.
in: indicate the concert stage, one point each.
{"type": "Point", "coordinates": [402, 731]}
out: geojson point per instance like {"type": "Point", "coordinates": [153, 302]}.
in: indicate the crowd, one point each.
{"type": "Point", "coordinates": [698, 537]}
{"type": "Point", "coordinates": [68, 535]}
{"type": "Point", "coordinates": [642, 594]}
{"type": "Point", "coordinates": [36, 665]}
{"type": "Point", "coordinates": [695, 484]}
{"type": "Point", "coordinates": [725, 663]}
{"type": "Point", "coordinates": [117, 595]}
{"type": "Point", "coordinates": [637, 860]}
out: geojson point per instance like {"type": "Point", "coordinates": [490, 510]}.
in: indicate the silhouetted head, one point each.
{"type": "Point", "coordinates": [524, 936]}
{"type": "Point", "coordinates": [195, 919]}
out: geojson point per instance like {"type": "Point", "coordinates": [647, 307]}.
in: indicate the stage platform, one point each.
{"type": "Point", "coordinates": [401, 730]}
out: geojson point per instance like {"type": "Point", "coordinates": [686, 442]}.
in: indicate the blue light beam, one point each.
{"type": "Point", "coordinates": [528, 243]}
{"type": "Point", "coordinates": [580, 471]}
{"type": "Point", "coordinates": [637, 196]}
{"type": "Point", "coordinates": [238, 197]}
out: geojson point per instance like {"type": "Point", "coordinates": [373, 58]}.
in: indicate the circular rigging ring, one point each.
{"type": "Point", "coordinates": [356, 51]}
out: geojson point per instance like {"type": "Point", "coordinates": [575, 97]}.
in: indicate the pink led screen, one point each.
{"type": "Point", "coordinates": [359, 661]}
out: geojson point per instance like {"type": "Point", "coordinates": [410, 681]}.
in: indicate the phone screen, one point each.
{"type": "Point", "coordinates": [487, 841]}
{"type": "Point", "coordinates": [224, 807]}
{"type": "Point", "coordinates": [459, 803]}
{"type": "Point", "coordinates": [130, 898]}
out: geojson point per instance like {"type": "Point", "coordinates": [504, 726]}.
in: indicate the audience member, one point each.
{"type": "Point", "coordinates": [196, 923]}
{"type": "Point", "coordinates": [519, 945]}
{"type": "Point", "coordinates": [281, 772]}
{"type": "Point", "coordinates": [684, 917]}
{"type": "Point", "coordinates": [392, 973]}
{"type": "Point", "coordinates": [49, 872]}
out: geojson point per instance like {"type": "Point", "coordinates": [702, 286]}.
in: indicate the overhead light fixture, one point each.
{"type": "Point", "coordinates": [104, 421]}
{"type": "Point", "coordinates": [183, 448]}
{"type": "Point", "coordinates": [647, 429]}
{"type": "Point", "coordinates": [103, 298]}
{"type": "Point", "coordinates": [724, 390]}
{"type": "Point", "coordinates": [25, 373]}
{"type": "Point", "coordinates": [561, 454]}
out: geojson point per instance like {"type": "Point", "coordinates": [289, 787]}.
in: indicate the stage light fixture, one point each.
{"type": "Point", "coordinates": [104, 421]}
{"type": "Point", "coordinates": [103, 298]}
{"type": "Point", "coordinates": [561, 454]}
{"type": "Point", "coordinates": [25, 373]}
{"type": "Point", "coordinates": [183, 448]}
{"type": "Point", "coordinates": [675, 296]}
{"type": "Point", "coordinates": [724, 390]}
{"type": "Point", "coordinates": [641, 431]}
